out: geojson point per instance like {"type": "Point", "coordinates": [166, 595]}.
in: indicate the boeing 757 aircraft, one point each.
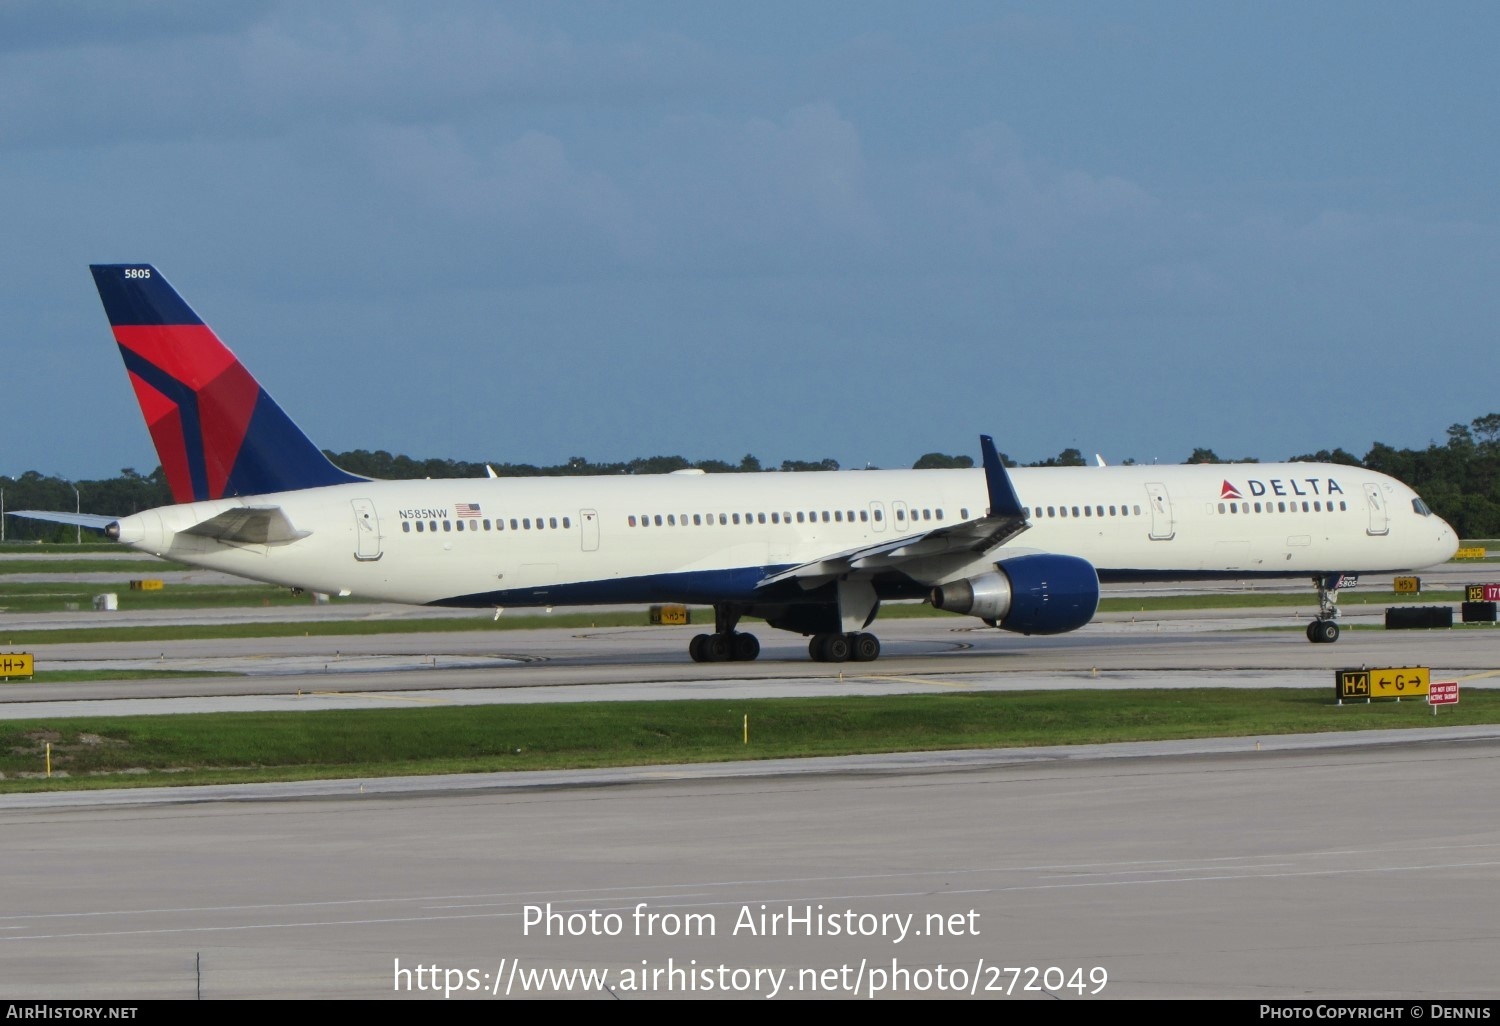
{"type": "Point", "coordinates": [813, 553]}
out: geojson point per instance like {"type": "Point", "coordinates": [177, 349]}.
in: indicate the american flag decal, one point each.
{"type": "Point", "coordinates": [467, 509]}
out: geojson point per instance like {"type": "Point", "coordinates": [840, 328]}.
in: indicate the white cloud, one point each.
{"type": "Point", "coordinates": [993, 189]}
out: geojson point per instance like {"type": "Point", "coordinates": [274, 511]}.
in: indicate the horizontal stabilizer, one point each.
{"type": "Point", "coordinates": [249, 525]}
{"type": "Point", "coordinates": [93, 521]}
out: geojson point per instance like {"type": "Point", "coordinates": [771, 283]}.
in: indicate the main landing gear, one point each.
{"type": "Point", "coordinates": [1325, 629]}
{"type": "Point", "coordinates": [856, 647]}
{"type": "Point", "coordinates": [722, 648]}
{"type": "Point", "coordinates": [725, 644]}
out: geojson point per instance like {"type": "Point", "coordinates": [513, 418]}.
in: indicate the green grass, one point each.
{"type": "Point", "coordinates": [52, 597]}
{"type": "Point", "coordinates": [247, 747]}
{"type": "Point", "coordinates": [131, 568]}
{"type": "Point", "coordinates": [320, 628]}
{"type": "Point", "coordinates": [73, 676]}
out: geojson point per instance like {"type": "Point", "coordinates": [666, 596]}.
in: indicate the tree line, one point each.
{"type": "Point", "coordinates": [1460, 479]}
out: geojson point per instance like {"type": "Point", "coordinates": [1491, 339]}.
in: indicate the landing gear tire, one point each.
{"type": "Point", "coordinates": [864, 648]}
{"type": "Point", "coordinates": [744, 647]}
{"type": "Point", "coordinates": [836, 648]}
{"type": "Point", "coordinates": [720, 648]}
{"type": "Point", "coordinates": [1323, 632]}
{"type": "Point", "coordinates": [829, 648]}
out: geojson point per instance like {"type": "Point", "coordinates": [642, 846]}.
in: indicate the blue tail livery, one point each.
{"type": "Point", "coordinates": [217, 431]}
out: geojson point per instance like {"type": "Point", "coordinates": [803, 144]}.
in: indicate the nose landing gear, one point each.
{"type": "Point", "coordinates": [1325, 629]}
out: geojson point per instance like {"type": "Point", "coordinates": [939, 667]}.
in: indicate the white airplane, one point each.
{"type": "Point", "coordinates": [813, 553]}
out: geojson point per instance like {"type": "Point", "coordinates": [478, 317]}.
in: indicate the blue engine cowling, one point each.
{"type": "Point", "coordinates": [1039, 593]}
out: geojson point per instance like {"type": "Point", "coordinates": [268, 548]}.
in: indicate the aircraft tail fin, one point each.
{"type": "Point", "coordinates": [217, 431]}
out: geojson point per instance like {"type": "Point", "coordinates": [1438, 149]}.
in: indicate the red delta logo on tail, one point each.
{"type": "Point", "coordinates": [197, 400]}
{"type": "Point", "coordinates": [217, 431]}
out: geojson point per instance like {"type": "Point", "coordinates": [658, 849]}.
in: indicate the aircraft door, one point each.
{"type": "Point", "coordinates": [898, 513]}
{"type": "Point", "coordinates": [1163, 527]}
{"type": "Point", "coordinates": [1380, 521]}
{"type": "Point", "coordinates": [366, 531]}
{"type": "Point", "coordinates": [877, 517]}
{"type": "Point", "coordinates": [588, 523]}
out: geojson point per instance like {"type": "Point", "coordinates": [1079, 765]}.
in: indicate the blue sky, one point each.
{"type": "Point", "coordinates": [866, 231]}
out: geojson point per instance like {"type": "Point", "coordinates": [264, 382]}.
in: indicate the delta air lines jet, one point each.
{"type": "Point", "coordinates": [812, 553]}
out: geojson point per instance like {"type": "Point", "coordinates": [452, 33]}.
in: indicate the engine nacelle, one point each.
{"type": "Point", "coordinates": [1039, 593]}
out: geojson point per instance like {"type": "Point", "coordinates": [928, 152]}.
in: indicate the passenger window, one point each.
{"type": "Point", "coordinates": [940, 514]}
{"type": "Point", "coordinates": [879, 516]}
{"type": "Point", "coordinates": [447, 525]}
{"type": "Point", "coordinates": [760, 518]}
{"type": "Point", "coordinates": [419, 527]}
{"type": "Point", "coordinates": [406, 526]}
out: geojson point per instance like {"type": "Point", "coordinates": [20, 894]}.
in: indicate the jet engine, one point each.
{"type": "Point", "coordinates": [1037, 593]}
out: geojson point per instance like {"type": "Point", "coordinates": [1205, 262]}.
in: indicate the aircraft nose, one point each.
{"type": "Point", "coordinates": [1447, 543]}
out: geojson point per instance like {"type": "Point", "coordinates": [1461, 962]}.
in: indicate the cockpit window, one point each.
{"type": "Point", "coordinates": [1421, 507]}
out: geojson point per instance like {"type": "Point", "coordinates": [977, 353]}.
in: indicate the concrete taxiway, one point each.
{"type": "Point", "coordinates": [1365, 868]}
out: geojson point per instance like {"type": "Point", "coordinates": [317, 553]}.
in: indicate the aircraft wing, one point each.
{"type": "Point", "coordinates": [965, 541]}
{"type": "Point", "coordinates": [93, 521]}
{"type": "Point", "coordinates": [249, 525]}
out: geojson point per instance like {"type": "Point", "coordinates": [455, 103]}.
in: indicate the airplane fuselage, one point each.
{"type": "Point", "coordinates": [714, 538]}
{"type": "Point", "coordinates": [810, 553]}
